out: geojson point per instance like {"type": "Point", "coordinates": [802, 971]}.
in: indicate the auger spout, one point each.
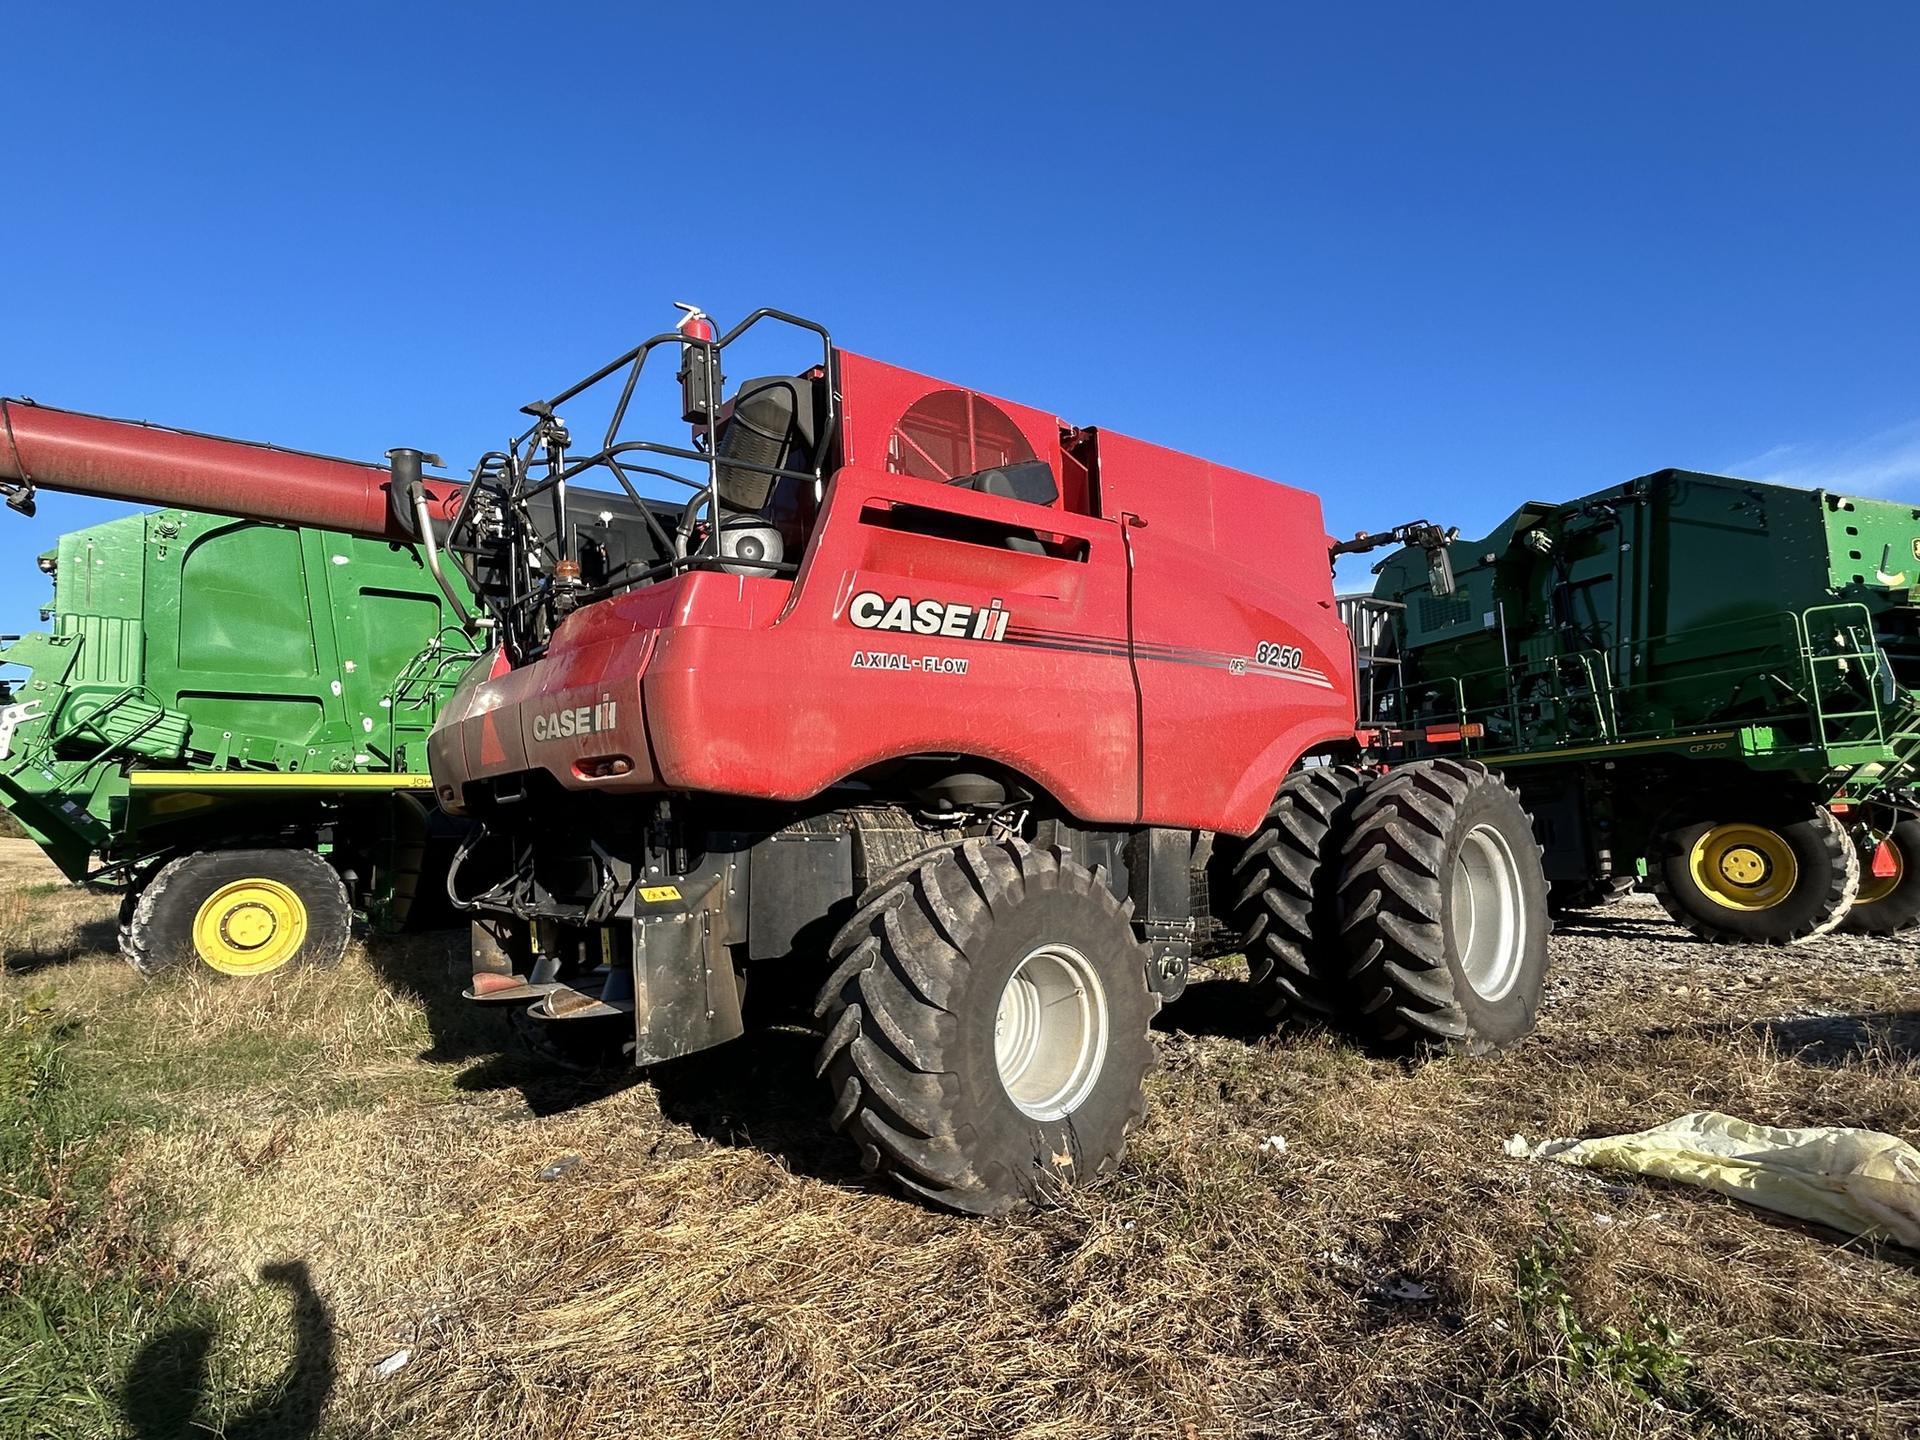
{"type": "Point", "coordinates": [42, 448]}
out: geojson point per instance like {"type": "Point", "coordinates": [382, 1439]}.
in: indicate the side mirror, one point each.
{"type": "Point", "coordinates": [1440, 570]}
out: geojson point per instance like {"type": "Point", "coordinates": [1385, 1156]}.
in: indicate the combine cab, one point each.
{"type": "Point", "coordinates": [1707, 679]}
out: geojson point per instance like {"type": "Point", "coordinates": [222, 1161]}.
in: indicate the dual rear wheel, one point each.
{"type": "Point", "coordinates": [987, 1013]}
{"type": "Point", "coordinates": [1410, 910]}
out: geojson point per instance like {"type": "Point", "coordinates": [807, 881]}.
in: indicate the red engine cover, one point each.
{"type": "Point", "coordinates": [1165, 662]}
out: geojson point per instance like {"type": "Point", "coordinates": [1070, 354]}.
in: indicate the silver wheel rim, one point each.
{"type": "Point", "coordinates": [1489, 921]}
{"type": "Point", "coordinates": [1050, 1032]}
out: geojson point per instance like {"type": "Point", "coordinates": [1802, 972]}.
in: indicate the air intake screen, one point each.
{"type": "Point", "coordinates": [952, 433]}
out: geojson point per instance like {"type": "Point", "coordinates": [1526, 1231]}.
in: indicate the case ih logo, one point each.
{"type": "Point", "coordinates": [581, 720]}
{"type": "Point", "coordinates": [872, 611]}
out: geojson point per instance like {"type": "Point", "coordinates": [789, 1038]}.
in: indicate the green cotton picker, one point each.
{"type": "Point", "coordinates": [1707, 681]}
{"type": "Point", "coordinates": [227, 719]}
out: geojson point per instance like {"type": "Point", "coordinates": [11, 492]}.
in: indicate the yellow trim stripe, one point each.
{"type": "Point", "coordinates": [1609, 749]}
{"type": "Point", "coordinates": [269, 780]}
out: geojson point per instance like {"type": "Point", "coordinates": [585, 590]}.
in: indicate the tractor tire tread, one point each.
{"type": "Point", "coordinates": [1393, 899]}
{"type": "Point", "coordinates": [156, 934]}
{"type": "Point", "coordinates": [891, 1044]}
{"type": "Point", "coordinates": [1843, 884]}
{"type": "Point", "coordinates": [1283, 896]}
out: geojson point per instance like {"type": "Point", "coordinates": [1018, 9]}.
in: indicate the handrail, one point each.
{"type": "Point", "coordinates": [516, 550]}
{"type": "Point", "coordinates": [1624, 702]}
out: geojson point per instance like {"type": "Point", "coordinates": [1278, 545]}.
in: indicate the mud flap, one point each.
{"type": "Point", "coordinates": [685, 996]}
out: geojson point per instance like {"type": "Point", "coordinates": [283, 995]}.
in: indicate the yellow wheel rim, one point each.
{"type": "Point", "coordinates": [248, 927]}
{"type": "Point", "coordinates": [1744, 867]}
{"type": "Point", "coordinates": [1878, 887]}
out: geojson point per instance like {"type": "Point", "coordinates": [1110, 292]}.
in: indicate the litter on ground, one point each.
{"type": "Point", "coordinates": [1862, 1182]}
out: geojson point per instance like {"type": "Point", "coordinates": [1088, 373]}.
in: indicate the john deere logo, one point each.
{"type": "Point", "coordinates": [1916, 549]}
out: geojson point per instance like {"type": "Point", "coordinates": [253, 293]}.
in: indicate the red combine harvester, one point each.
{"type": "Point", "coordinates": [985, 723]}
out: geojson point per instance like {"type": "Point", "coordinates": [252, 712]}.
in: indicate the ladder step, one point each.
{"type": "Point", "coordinates": [563, 1002]}
{"type": "Point", "coordinates": [522, 991]}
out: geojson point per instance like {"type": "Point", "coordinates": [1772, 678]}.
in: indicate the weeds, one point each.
{"type": "Point", "coordinates": [1644, 1360]}
{"type": "Point", "coordinates": [102, 1323]}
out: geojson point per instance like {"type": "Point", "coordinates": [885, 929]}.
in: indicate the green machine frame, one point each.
{"type": "Point", "coordinates": [209, 683]}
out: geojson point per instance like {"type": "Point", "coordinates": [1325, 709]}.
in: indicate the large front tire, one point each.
{"type": "Point", "coordinates": [986, 1026]}
{"type": "Point", "coordinates": [1768, 875]}
{"type": "Point", "coordinates": [241, 913]}
{"type": "Point", "coordinates": [1443, 909]}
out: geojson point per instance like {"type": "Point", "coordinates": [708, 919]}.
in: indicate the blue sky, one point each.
{"type": "Point", "coordinates": [1425, 260]}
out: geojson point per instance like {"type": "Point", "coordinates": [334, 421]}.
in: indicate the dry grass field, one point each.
{"type": "Point", "coordinates": [343, 1205]}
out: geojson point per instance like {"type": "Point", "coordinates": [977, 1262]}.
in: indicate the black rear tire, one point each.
{"type": "Point", "coordinates": [307, 916]}
{"type": "Point", "coordinates": [912, 1008]}
{"type": "Point", "coordinates": [1443, 909]}
{"type": "Point", "coordinates": [1285, 888]}
{"type": "Point", "coordinates": [1887, 905]}
{"type": "Point", "coordinates": [1800, 848]}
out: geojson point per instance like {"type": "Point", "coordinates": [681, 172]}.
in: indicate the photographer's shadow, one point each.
{"type": "Point", "coordinates": [165, 1394]}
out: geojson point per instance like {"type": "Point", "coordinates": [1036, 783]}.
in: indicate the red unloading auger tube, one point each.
{"type": "Point", "coordinates": [42, 448]}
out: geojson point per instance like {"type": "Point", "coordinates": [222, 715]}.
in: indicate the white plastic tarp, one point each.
{"type": "Point", "coordinates": [1863, 1182]}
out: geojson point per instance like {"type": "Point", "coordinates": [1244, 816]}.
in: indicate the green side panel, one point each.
{"type": "Point", "coordinates": [243, 605]}
{"type": "Point", "coordinates": [1873, 544]}
{"type": "Point", "coordinates": [99, 595]}
{"type": "Point", "coordinates": [100, 569]}
{"type": "Point", "coordinates": [387, 630]}
{"type": "Point", "coordinates": [194, 641]}
{"type": "Point", "coordinates": [1874, 558]}
{"type": "Point", "coordinates": [1675, 603]}
{"type": "Point", "coordinates": [222, 715]}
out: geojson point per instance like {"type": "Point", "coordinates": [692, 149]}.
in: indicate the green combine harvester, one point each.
{"type": "Point", "coordinates": [1709, 681]}
{"type": "Point", "coordinates": [228, 720]}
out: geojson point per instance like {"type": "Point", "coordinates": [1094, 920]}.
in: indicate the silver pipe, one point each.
{"type": "Point", "coordinates": [432, 547]}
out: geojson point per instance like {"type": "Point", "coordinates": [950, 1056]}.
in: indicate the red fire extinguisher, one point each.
{"type": "Point", "coordinates": [700, 377]}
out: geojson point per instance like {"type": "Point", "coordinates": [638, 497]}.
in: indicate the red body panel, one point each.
{"type": "Point", "coordinates": [147, 464]}
{"type": "Point", "coordinates": [750, 685]}
{"type": "Point", "coordinates": [1227, 568]}
{"type": "Point", "coordinates": [1167, 673]}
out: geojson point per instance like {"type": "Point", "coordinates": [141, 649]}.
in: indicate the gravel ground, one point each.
{"type": "Point", "coordinates": [1631, 953]}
